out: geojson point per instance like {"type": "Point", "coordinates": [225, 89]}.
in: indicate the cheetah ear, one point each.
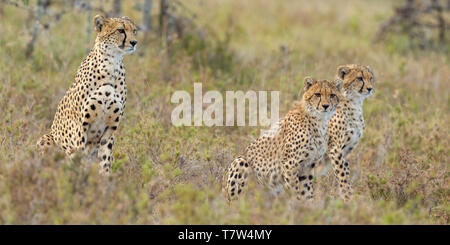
{"type": "Point", "coordinates": [339, 83]}
{"type": "Point", "coordinates": [342, 71]}
{"type": "Point", "coordinates": [309, 81]}
{"type": "Point", "coordinates": [99, 22]}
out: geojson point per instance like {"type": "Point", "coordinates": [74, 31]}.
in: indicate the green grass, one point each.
{"type": "Point", "coordinates": [172, 175]}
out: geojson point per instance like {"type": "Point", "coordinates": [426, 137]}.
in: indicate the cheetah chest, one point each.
{"type": "Point", "coordinates": [318, 147]}
{"type": "Point", "coordinates": [107, 114]}
{"type": "Point", "coordinates": [106, 106]}
{"type": "Point", "coordinates": [353, 133]}
{"type": "Point", "coordinates": [97, 127]}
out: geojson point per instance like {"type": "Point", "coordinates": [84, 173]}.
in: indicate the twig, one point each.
{"type": "Point", "coordinates": [147, 19]}
{"type": "Point", "coordinates": [30, 45]}
{"type": "Point", "coordinates": [89, 28]}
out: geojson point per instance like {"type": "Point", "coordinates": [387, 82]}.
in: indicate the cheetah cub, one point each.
{"type": "Point", "coordinates": [286, 156]}
{"type": "Point", "coordinates": [90, 111]}
{"type": "Point", "coordinates": [346, 127]}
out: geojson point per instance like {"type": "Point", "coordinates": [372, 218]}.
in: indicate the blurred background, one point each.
{"type": "Point", "coordinates": [173, 175]}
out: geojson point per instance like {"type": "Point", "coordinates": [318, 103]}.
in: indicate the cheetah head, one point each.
{"type": "Point", "coordinates": [359, 81]}
{"type": "Point", "coordinates": [322, 96]}
{"type": "Point", "coordinates": [116, 34]}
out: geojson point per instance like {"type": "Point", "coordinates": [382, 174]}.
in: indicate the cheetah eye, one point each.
{"type": "Point", "coordinates": [332, 95]}
{"type": "Point", "coordinates": [135, 32]}
{"type": "Point", "coordinates": [360, 79]}
{"type": "Point", "coordinates": [121, 30]}
{"type": "Point", "coordinates": [317, 94]}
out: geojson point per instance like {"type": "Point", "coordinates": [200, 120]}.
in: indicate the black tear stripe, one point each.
{"type": "Point", "coordinates": [123, 42]}
{"type": "Point", "coordinates": [320, 99]}
{"type": "Point", "coordinates": [361, 89]}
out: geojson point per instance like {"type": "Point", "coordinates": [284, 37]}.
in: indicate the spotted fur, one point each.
{"type": "Point", "coordinates": [89, 113]}
{"type": "Point", "coordinates": [346, 127]}
{"type": "Point", "coordinates": [284, 159]}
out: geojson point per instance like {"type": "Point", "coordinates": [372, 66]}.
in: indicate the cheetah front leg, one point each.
{"type": "Point", "coordinates": [107, 141]}
{"type": "Point", "coordinates": [342, 173]}
{"type": "Point", "coordinates": [106, 145]}
{"type": "Point", "coordinates": [306, 180]}
{"type": "Point", "coordinates": [294, 180]}
{"type": "Point", "coordinates": [102, 108]}
{"type": "Point", "coordinates": [105, 154]}
{"type": "Point", "coordinates": [301, 184]}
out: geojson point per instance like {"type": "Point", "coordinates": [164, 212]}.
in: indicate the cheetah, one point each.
{"type": "Point", "coordinates": [89, 113]}
{"type": "Point", "coordinates": [346, 127]}
{"type": "Point", "coordinates": [283, 159]}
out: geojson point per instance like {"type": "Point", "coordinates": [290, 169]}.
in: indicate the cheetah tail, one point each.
{"type": "Point", "coordinates": [236, 178]}
{"type": "Point", "coordinates": [44, 142]}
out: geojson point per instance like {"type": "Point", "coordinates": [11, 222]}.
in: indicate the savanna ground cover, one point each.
{"type": "Point", "coordinates": [172, 175]}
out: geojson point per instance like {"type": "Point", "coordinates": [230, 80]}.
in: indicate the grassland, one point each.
{"type": "Point", "coordinates": [172, 175]}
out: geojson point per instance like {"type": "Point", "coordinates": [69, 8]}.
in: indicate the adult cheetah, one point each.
{"type": "Point", "coordinates": [90, 111]}
{"type": "Point", "coordinates": [286, 156]}
{"type": "Point", "coordinates": [346, 127]}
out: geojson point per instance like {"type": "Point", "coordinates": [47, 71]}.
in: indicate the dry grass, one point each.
{"type": "Point", "coordinates": [168, 175]}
